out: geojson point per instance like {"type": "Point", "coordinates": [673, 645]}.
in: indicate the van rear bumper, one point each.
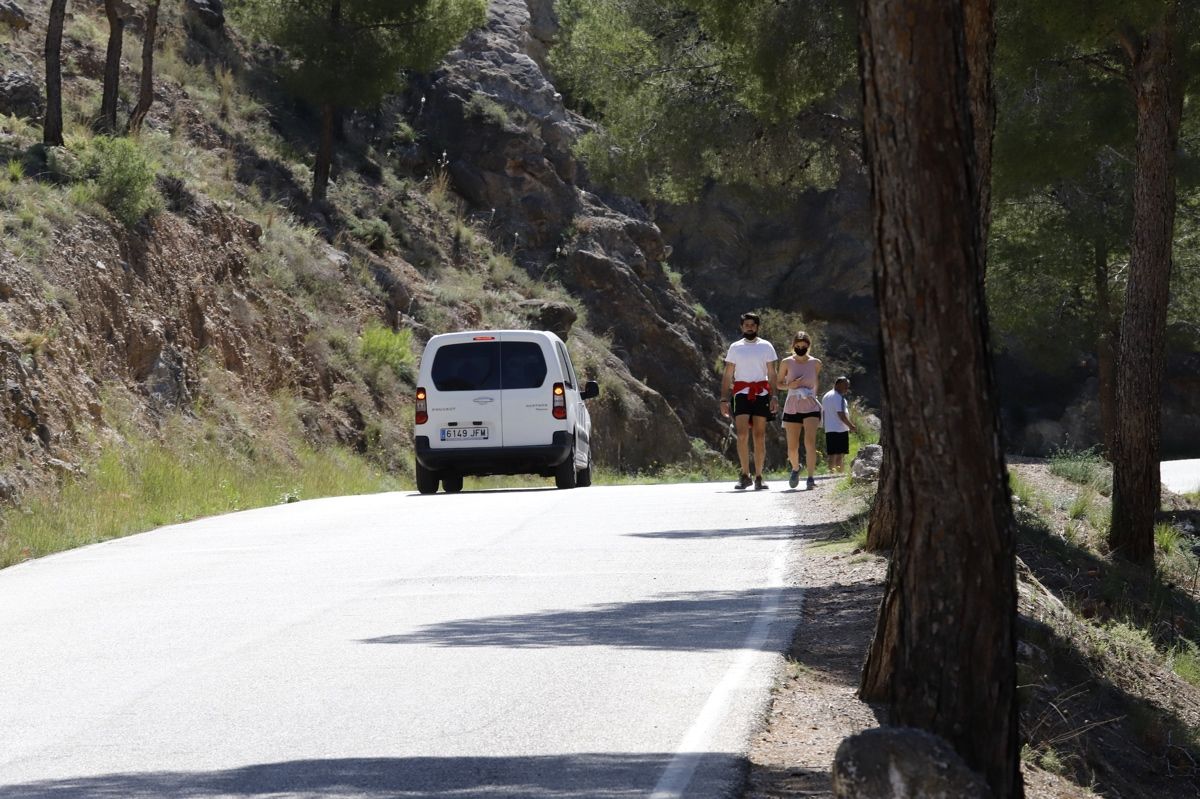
{"type": "Point", "coordinates": [495, 460]}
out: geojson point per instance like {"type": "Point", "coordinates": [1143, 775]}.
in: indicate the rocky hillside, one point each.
{"type": "Point", "coordinates": [237, 302]}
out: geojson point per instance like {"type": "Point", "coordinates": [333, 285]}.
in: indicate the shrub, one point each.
{"type": "Point", "coordinates": [124, 178]}
{"type": "Point", "coordinates": [373, 232]}
{"type": "Point", "coordinates": [383, 348]}
{"type": "Point", "coordinates": [1086, 468]}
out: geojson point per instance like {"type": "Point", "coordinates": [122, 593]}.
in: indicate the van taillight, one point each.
{"type": "Point", "coordinates": [559, 405]}
{"type": "Point", "coordinates": [422, 407]}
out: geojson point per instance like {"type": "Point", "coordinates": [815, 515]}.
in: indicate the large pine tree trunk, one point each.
{"type": "Point", "coordinates": [146, 91]}
{"type": "Point", "coordinates": [944, 651]}
{"type": "Point", "coordinates": [881, 525]}
{"type": "Point", "coordinates": [52, 129]}
{"type": "Point", "coordinates": [1141, 364]}
{"type": "Point", "coordinates": [112, 67]}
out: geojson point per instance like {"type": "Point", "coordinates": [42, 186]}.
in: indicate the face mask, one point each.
{"type": "Point", "coordinates": [749, 336]}
{"type": "Point", "coordinates": [801, 350]}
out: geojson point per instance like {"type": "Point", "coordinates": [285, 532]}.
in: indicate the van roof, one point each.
{"type": "Point", "coordinates": [471, 335]}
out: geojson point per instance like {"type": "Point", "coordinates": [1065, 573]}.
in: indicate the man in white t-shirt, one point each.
{"type": "Point", "coordinates": [746, 393]}
{"type": "Point", "coordinates": [836, 415]}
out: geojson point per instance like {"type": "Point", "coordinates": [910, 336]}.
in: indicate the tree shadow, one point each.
{"type": "Point", "coordinates": [590, 776]}
{"type": "Point", "coordinates": [703, 621]}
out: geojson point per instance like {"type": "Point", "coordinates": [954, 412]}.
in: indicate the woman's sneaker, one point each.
{"type": "Point", "coordinates": [812, 483]}
{"type": "Point", "coordinates": [743, 482]}
{"type": "Point", "coordinates": [794, 480]}
{"type": "Point", "coordinates": [759, 485]}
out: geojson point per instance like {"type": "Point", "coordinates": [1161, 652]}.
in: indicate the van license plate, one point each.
{"type": "Point", "coordinates": [453, 433]}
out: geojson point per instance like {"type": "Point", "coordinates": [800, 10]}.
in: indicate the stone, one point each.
{"type": "Point", "coordinates": [867, 463]}
{"type": "Point", "coordinates": [21, 95]}
{"type": "Point", "coordinates": [903, 763]}
{"type": "Point", "coordinates": [557, 317]}
{"type": "Point", "coordinates": [13, 15]}
{"type": "Point", "coordinates": [209, 13]}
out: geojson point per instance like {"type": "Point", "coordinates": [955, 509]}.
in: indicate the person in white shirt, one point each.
{"type": "Point", "coordinates": [836, 413]}
{"type": "Point", "coordinates": [746, 391]}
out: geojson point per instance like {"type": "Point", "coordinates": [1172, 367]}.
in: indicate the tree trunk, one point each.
{"type": "Point", "coordinates": [881, 526]}
{"type": "Point", "coordinates": [1141, 364]}
{"type": "Point", "coordinates": [146, 92]}
{"type": "Point", "coordinates": [1107, 337]}
{"type": "Point", "coordinates": [52, 129]}
{"type": "Point", "coordinates": [112, 67]}
{"type": "Point", "coordinates": [945, 647]}
{"type": "Point", "coordinates": [324, 163]}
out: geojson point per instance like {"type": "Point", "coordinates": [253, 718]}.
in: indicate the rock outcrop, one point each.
{"type": "Point", "coordinates": [903, 763]}
{"type": "Point", "coordinates": [507, 139]}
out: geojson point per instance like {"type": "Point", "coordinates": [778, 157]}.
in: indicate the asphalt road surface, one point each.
{"type": "Point", "coordinates": [600, 642]}
{"type": "Point", "coordinates": [1182, 477]}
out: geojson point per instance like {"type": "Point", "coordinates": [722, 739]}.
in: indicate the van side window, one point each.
{"type": "Point", "coordinates": [565, 363]}
{"type": "Point", "coordinates": [522, 364]}
{"type": "Point", "coordinates": [474, 366]}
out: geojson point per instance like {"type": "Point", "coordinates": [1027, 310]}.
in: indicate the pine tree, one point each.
{"type": "Point", "coordinates": [350, 53]}
{"type": "Point", "coordinates": [52, 129]}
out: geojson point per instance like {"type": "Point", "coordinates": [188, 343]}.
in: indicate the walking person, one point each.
{"type": "Point", "coordinates": [746, 394]}
{"type": "Point", "coordinates": [838, 426]}
{"type": "Point", "coordinates": [799, 374]}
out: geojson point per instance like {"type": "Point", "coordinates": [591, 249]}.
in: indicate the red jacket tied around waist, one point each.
{"type": "Point", "coordinates": [758, 388]}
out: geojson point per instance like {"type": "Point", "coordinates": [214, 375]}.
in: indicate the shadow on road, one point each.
{"type": "Point", "coordinates": [595, 776]}
{"type": "Point", "coordinates": [711, 620]}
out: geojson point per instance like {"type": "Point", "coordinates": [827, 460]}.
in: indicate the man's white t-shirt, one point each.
{"type": "Point", "coordinates": [831, 403]}
{"type": "Point", "coordinates": [750, 359]}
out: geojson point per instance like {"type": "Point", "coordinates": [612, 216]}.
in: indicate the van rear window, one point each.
{"type": "Point", "coordinates": [488, 366]}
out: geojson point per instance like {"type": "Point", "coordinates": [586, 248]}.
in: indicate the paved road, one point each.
{"type": "Point", "coordinates": [601, 642]}
{"type": "Point", "coordinates": [1182, 477]}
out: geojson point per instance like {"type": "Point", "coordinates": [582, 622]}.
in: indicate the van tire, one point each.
{"type": "Point", "coordinates": [583, 478]}
{"type": "Point", "coordinates": [427, 480]}
{"type": "Point", "coordinates": [452, 483]}
{"type": "Point", "coordinates": [564, 473]}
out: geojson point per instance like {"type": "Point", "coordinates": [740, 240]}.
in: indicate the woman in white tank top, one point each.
{"type": "Point", "coordinates": [799, 374]}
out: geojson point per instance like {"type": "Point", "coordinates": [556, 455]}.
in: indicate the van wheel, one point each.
{"type": "Point", "coordinates": [427, 480]}
{"type": "Point", "coordinates": [564, 473]}
{"type": "Point", "coordinates": [583, 478]}
{"type": "Point", "coordinates": [452, 483]}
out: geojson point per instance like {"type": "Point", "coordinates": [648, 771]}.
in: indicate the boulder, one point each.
{"type": "Point", "coordinates": [13, 15]}
{"type": "Point", "coordinates": [21, 95]}
{"type": "Point", "coordinates": [209, 13]}
{"type": "Point", "coordinates": [867, 463]}
{"type": "Point", "coordinates": [903, 763]}
{"type": "Point", "coordinates": [557, 317]}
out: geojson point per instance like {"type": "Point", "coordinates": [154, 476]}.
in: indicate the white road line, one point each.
{"type": "Point", "coordinates": [678, 773]}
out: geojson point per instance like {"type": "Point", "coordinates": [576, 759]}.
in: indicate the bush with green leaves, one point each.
{"type": "Point", "coordinates": [384, 348]}
{"type": "Point", "coordinates": [123, 177]}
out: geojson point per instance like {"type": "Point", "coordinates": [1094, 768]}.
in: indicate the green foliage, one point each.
{"type": "Point", "coordinates": [16, 170]}
{"type": "Point", "coordinates": [383, 348]}
{"type": "Point", "coordinates": [754, 93]}
{"type": "Point", "coordinates": [373, 232]}
{"type": "Point", "coordinates": [145, 484]}
{"type": "Point", "coordinates": [1085, 467]}
{"type": "Point", "coordinates": [1185, 661]}
{"type": "Point", "coordinates": [356, 59]}
{"type": "Point", "coordinates": [123, 176]}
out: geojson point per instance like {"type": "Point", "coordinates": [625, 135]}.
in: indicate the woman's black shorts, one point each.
{"type": "Point", "coordinates": [800, 417]}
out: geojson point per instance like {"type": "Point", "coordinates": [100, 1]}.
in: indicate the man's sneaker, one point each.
{"type": "Point", "coordinates": [759, 485]}
{"type": "Point", "coordinates": [794, 480]}
{"type": "Point", "coordinates": [812, 483]}
{"type": "Point", "coordinates": [743, 482]}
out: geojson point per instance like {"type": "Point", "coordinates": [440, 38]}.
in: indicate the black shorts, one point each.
{"type": "Point", "coordinates": [745, 405]}
{"type": "Point", "coordinates": [837, 443]}
{"type": "Point", "coordinates": [800, 417]}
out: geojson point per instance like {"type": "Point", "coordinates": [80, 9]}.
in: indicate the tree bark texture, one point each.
{"type": "Point", "coordinates": [1142, 361]}
{"type": "Point", "coordinates": [944, 649]}
{"type": "Point", "coordinates": [52, 127]}
{"type": "Point", "coordinates": [881, 525]}
{"type": "Point", "coordinates": [112, 67]}
{"type": "Point", "coordinates": [146, 91]}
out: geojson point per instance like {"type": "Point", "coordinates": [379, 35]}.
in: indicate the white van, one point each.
{"type": "Point", "coordinates": [500, 402]}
